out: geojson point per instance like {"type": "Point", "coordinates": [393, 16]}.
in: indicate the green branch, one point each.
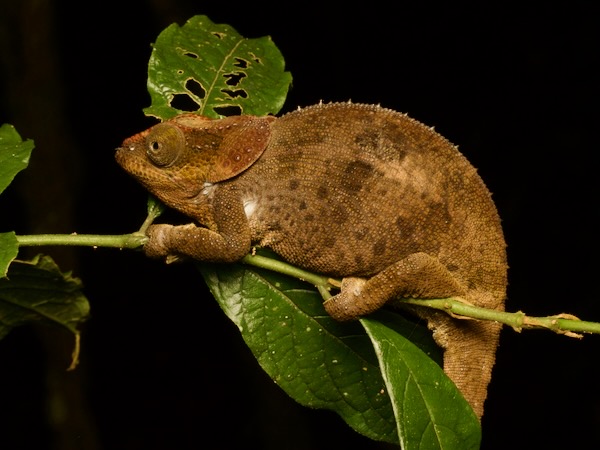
{"type": "Point", "coordinates": [566, 324]}
{"type": "Point", "coordinates": [562, 323]}
{"type": "Point", "coordinates": [322, 283]}
{"type": "Point", "coordinates": [131, 241]}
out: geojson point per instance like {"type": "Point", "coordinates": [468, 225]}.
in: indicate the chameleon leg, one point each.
{"type": "Point", "coordinates": [418, 275]}
{"type": "Point", "coordinates": [228, 240]}
{"type": "Point", "coordinates": [469, 346]}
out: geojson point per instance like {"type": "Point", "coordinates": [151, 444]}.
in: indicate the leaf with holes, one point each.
{"type": "Point", "coordinates": [212, 70]}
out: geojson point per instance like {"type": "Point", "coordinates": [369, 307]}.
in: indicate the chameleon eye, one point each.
{"type": "Point", "coordinates": [164, 144]}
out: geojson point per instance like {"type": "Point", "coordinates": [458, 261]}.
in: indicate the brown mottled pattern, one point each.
{"type": "Point", "coordinates": [355, 191]}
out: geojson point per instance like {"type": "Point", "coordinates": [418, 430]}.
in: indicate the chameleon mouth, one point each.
{"type": "Point", "coordinates": [127, 159]}
{"type": "Point", "coordinates": [124, 159]}
{"type": "Point", "coordinates": [120, 155]}
{"type": "Point", "coordinates": [125, 156]}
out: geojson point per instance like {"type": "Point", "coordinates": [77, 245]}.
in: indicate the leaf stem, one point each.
{"type": "Point", "coordinates": [155, 209]}
{"type": "Point", "coordinates": [323, 283]}
{"type": "Point", "coordinates": [131, 241]}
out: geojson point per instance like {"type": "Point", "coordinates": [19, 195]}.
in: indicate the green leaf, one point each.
{"type": "Point", "coordinates": [319, 362]}
{"type": "Point", "coordinates": [14, 157]}
{"type": "Point", "coordinates": [36, 291]}
{"type": "Point", "coordinates": [14, 154]}
{"type": "Point", "coordinates": [210, 69]}
{"type": "Point", "coordinates": [9, 247]}
{"type": "Point", "coordinates": [430, 411]}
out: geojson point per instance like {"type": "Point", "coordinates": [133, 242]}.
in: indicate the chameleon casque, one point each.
{"type": "Point", "coordinates": [348, 190]}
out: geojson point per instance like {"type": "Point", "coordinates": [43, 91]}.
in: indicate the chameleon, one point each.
{"type": "Point", "coordinates": [354, 191]}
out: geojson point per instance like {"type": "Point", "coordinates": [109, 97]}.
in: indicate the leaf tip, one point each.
{"type": "Point", "coordinates": [75, 354]}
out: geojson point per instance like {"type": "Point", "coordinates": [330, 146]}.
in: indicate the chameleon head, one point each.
{"type": "Point", "coordinates": [176, 159]}
{"type": "Point", "coordinates": [157, 159]}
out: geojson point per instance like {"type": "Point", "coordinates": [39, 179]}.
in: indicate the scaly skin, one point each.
{"type": "Point", "coordinates": [349, 190]}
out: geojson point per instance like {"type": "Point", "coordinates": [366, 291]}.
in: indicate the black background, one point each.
{"type": "Point", "coordinates": [514, 87]}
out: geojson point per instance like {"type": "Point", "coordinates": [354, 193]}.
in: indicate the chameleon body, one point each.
{"type": "Point", "coordinates": [348, 190]}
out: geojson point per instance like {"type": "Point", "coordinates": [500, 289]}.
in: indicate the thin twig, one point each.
{"type": "Point", "coordinates": [566, 324]}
